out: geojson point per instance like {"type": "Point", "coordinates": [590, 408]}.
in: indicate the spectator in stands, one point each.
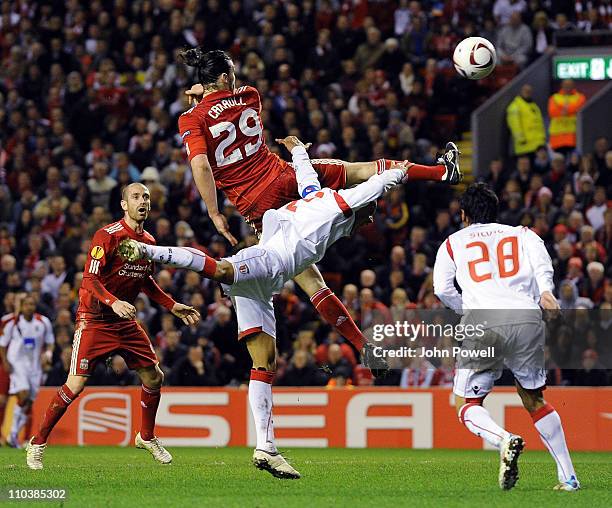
{"type": "Point", "coordinates": [514, 41]}
{"type": "Point", "coordinates": [191, 370]}
{"type": "Point", "coordinates": [563, 107]}
{"type": "Point", "coordinates": [337, 365]}
{"type": "Point", "coordinates": [368, 53]}
{"type": "Point", "coordinates": [592, 373]}
{"type": "Point", "coordinates": [302, 372]}
{"type": "Point", "coordinates": [333, 338]}
{"type": "Point", "coordinates": [542, 34]}
{"type": "Point", "coordinates": [173, 351]}
{"type": "Point", "coordinates": [526, 124]}
{"type": "Point", "coordinates": [503, 10]}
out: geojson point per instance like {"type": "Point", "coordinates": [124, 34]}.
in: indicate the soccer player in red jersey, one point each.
{"type": "Point", "coordinates": [106, 324]}
{"type": "Point", "coordinates": [223, 137]}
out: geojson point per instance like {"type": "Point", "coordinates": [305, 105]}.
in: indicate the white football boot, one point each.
{"type": "Point", "coordinates": [571, 485]}
{"type": "Point", "coordinates": [509, 453]}
{"type": "Point", "coordinates": [275, 464]}
{"type": "Point", "coordinates": [34, 454]}
{"type": "Point", "coordinates": [155, 448]}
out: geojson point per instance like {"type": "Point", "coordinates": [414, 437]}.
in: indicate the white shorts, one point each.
{"type": "Point", "coordinates": [22, 380]}
{"type": "Point", "coordinates": [258, 275]}
{"type": "Point", "coordinates": [523, 355]}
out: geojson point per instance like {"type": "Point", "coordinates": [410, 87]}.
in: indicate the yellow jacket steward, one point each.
{"type": "Point", "coordinates": [562, 109]}
{"type": "Point", "coordinates": [526, 124]}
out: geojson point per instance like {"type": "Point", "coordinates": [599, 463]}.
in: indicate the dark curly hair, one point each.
{"type": "Point", "coordinates": [209, 65]}
{"type": "Point", "coordinates": [479, 203]}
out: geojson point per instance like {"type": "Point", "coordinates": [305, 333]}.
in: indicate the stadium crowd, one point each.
{"type": "Point", "coordinates": [90, 93]}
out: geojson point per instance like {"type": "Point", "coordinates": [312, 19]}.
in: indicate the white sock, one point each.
{"type": "Point", "coordinates": [19, 419]}
{"type": "Point", "coordinates": [478, 421]}
{"type": "Point", "coordinates": [260, 400]}
{"type": "Point", "coordinates": [181, 257]}
{"type": "Point", "coordinates": [548, 424]}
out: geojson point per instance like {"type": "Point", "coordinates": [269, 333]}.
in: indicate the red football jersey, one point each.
{"type": "Point", "coordinates": [226, 126]}
{"type": "Point", "coordinates": [107, 277]}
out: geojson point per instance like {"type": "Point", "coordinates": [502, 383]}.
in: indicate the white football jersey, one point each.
{"type": "Point", "coordinates": [307, 227]}
{"type": "Point", "coordinates": [496, 266]}
{"type": "Point", "coordinates": [25, 339]}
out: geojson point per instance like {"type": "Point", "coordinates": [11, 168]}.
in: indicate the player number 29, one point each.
{"type": "Point", "coordinates": [246, 129]}
{"type": "Point", "coordinates": [507, 262]}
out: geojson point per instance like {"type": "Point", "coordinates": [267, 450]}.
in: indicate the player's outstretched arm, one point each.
{"type": "Point", "coordinates": [306, 176]}
{"type": "Point", "coordinates": [205, 182]}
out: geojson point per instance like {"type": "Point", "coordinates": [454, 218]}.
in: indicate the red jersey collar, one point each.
{"type": "Point", "coordinates": [126, 226]}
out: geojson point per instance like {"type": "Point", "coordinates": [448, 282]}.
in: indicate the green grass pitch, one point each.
{"type": "Point", "coordinates": [105, 476]}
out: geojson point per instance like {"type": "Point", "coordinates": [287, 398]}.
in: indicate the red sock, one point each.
{"type": "Point", "coordinates": [149, 400]}
{"type": "Point", "coordinates": [210, 267]}
{"type": "Point", "coordinates": [420, 172]}
{"type": "Point", "coordinates": [57, 407]}
{"type": "Point", "coordinates": [383, 165]}
{"type": "Point", "coordinates": [334, 312]}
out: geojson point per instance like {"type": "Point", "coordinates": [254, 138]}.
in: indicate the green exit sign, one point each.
{"type": "Point", "coordinates": [594, 68]}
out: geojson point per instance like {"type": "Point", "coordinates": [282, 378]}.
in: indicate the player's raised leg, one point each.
{"type": "Point", "coordinates": [66, 394]}
{"type": "Point", "coordinates": [446, 170]}
{"type": "Point", "coordinates": [262, 348]}
{"type": "Point", "coordinates": [152, 379]}
{"type": "Point", "coordinates": [548, 424]}
{"type": "Point", "coordinates": [333, 311]}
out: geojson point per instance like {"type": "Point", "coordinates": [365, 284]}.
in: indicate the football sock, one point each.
{"type": "Point", "coordinates": [333, 311]}
{"type": "Point", "coordinates": [57, 407]}
{"type": "Point", "coordinates": [478, 421]}
{"type": "Point", "coordinates": [260, 400]}
{"type": "Point", "coordinates": [420, 172]}
{"type": "Point", "coordinates": [149, 402]}
{"type": "Point", "coordinates": [19, 417]}
{"type": "Point", "coordinates": [180, 257]}
{"type": "Point", "coordinates": [383, 165]}
{"type": "Point", "coordinates": [548, 424]}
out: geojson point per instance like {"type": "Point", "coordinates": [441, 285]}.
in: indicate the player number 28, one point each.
{"type": "Point", "coordinates": [246, 129]}
{"type": "Point", "coordinates": [507, 262]}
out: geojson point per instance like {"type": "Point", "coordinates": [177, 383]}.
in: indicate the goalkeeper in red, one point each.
{"type": "Point", "coordinates": [106, 324]}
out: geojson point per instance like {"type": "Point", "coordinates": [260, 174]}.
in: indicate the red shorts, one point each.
{"type": "Point", "coordinates": [5, 382]}
{"type": "Point", "coordinates": [332, 174]}
{"type": "Point", "coordinates": [95, 341]}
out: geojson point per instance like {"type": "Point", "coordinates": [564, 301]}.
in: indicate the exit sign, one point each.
{"type": "Point", "coordinates": [594, 68]}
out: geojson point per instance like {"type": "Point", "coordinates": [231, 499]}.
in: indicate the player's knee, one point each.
{"type": "Point", "coordinates": [532, 399]}
{"type": "Point", "coordinates": [262, 348]}
{"type": "Point", "coordinates": [152, 378]}
{"type": "Point", "coordinates": [76, 384]}
{"type": "Point", "coordinates": [158, 378]}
